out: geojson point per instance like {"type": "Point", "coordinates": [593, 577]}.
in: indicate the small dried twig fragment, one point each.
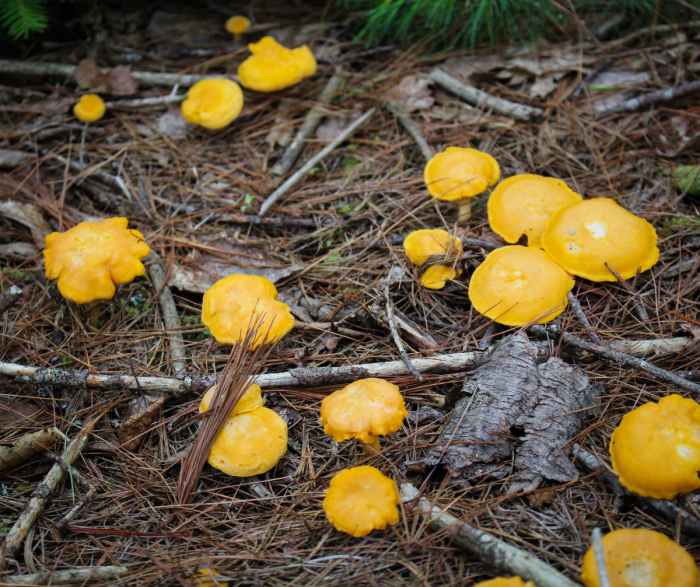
{"type": "Point", "coordinates": [517, 388]}
{"type": "Point", "coordinates": [492, 551]}
{"type": "Point", "coordinates": [27, 447]}
{"type": "Point", "coordinates": [68, 576]}
{"type": "Point", "coordinates": [648, 99]}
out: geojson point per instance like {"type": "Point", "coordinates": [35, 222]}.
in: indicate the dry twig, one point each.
{"type": "Point", "coordinates": [659, 96]}
{"type": "Point", "coordinates": [68, 576]}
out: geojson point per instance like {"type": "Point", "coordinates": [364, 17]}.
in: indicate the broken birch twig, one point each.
{"type": "Point", "coordinates": [62, 70]}
{"type": "Point", "coordinates": [27, 447]}
{"type": "Point", "coordinates": [311, 122]}
{"type": "Point", "coordinates": [648, 99]}
{"type": "Point", "coordinates": [620, 358]}
{"type": "Point", "coordinates": [9, 298]}
{"type": "Point", "coordinates": [68, 576]}
{"type": "Point", "coordinates": [303, 377]}
{"type": "Point", "coordinates": [481, 99]}
{"type": "Point", "coordinates": [297, 176]}
{"type": "Point", "coordinates": [171, 320]}
{"type": "Point", "coordinates": [488, 549]}
{"type": "Point", "coordinates": [689, 524]}
{"type": "Point", "coordinates": [41, 495]}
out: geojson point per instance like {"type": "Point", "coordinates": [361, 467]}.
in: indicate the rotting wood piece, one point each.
{"type": "Point", "coordinates": [490, 550]}
{"type": "Point", "coordinates": [27, 447]}
{"type": "Point", "coordinates": [519, 387]}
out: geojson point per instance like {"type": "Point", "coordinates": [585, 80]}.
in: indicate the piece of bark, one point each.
{"type": "Point", "coordinates": [143, 411]}
{"type": "Point", "coordinates": [27, 447]}
{"type": "Point", "coordinates": [517, 388]}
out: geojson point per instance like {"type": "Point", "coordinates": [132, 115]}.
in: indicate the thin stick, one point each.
{"type": "Point", "coordinates": [308, 377]}
{"type": "Point", "coordinates": [9, 298]}
{"type": "Point", "coordinates": [84, 483]}
{"type": "Point", "coordinates": [488, 549]}
{"type": "Point", "coordinates": [412, 129]}
{"type": "Point", "coordinates": [298, 175]}
{"type": "Point", "coordinates": [311, 122]}
{"type": "Point", "coordinates": [42, 494]}
{"type": "Point", "coordinates": [597, 540]}
{"type": "Point", "coordinates": [395, 336]}
{"type": "Point", "coordinates": [581, 315]}
{"type": "Point", "coordinates": [648, 99]}
{"type": "Point", "coordinates": [617, 357]}
{"type": "Point", "coordinates": [171, 319]}
{"type": "Point", "coordinates": [636, 300]}
{"type": "Point", "coordinates": [481, 99]}
{"type": "Point", "coordinates": [68, 577]}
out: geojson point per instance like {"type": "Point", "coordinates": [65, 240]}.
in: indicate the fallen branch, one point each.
{"type": "Point", "coordinates": [298, 175]}
{"type": "Point", "coordinates": [41, 496]}
{"type": "Point", "coordinates": [311, 122]}
{"type": "Point", "coordinates": [626, 360]}
{"type": "Point", "coordinates": [171, 320]}
{"type": "Point", "coordinates": [648, 99]}
{"type": "Point", "coordinates": [62, 70]}
{"type": "Point", "coordinates": [488, 549]}
{"type": "Point", "coordinates": [305, 377]}
{"type": "Point", "coordinates": [481, 99]}
{"type": "Point", "coordinates": [84, 483]}
{"type": "Point", "coordinates": [27, 447]}
{"type": "Point", "coordinates": [9, 298]}
{"type": "Point", "coordinates": [689, 523]}
{"type": "Point", "coordinates": [68, 577]}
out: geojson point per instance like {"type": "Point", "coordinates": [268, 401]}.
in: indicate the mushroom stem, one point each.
{"type": "Point", "coordinates": [371, 448]}
{"type": "Point", "coordinates": [464, 209]}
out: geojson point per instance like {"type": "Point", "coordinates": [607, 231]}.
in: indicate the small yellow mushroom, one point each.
{"type": "Point", "coordinates": [237, 25]}
{"type": "Point", "coordinates": [90, 108]}
{"type": "Point", "coordinates": [272, 67]}
{"type": "Point", "coordinates": [213, 103]}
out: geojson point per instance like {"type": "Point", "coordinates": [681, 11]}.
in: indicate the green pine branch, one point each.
{"type": "Point", "coordinates": [21, 17]}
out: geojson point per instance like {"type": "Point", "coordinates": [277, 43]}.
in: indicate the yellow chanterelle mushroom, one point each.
{"type": "Point", "coordinates": [213, 103]}
{"type": "Point", "coordinates": [517, 285]}
{"type": "Point", "coordinates": [522, 204]}
{"type": "Point", "coordinates": [272, 67]}
{"type": "Point", "coordinates": [90, 258]}
{"type": "Point", "coordinates": [90, 108]}
{"type": "Point", "coordinates": [583, 237]}
{"type": "Point", "coordinates": [360, 500]}
{"type": "Point", "coordinates": [641, 558]}
{"type": "Point", "coordinates": [420, 245]}
{"type": "Point", "coordinates": [656, 448]}
{"type": "Point", "coordinates": [505, 582]}
{"type": "Point", "coordinates": [237, 25]}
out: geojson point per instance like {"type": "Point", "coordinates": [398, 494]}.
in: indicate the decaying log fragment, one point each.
{"type": "Point", "coordinates": [27, 447]}
{"type": "Point", "coordinates": [518, 389]}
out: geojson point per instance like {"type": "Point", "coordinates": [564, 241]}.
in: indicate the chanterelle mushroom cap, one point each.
{"type": "Point", "coordinates": [213, 103]}
{"type": "Point", "coordinates": [437, 276]}
{"type": "Point", "coordinates": [209, 578]}
{"type": "Point", "coordinates": [522, 204]}
{"type": "Point", "coordinates": [584, 236]}
{"type": "Point", "coordinates": [90, 108]}
{"type": "Point", "coordinates": [360, 500]}
{"type": "Point", "coordinates": [250, 443]}
{"type": "Point", "coordinates": [656, 448]}
{"type": "Point", "coordinates": [503, 582]}
{"type": "Point", "coordinates": [91, 257]}
{"type": "Point", "coordinates": [235, 302]}
{"type": "Point", "coordinates": [516, 285]}
{"type": "Point", "coordinates": [641, 558]}
{"type": "Point", "coordinates": [251, 400]}
{"type": "Point", "coordinates": [459, 173]}
{"type": "Point", "coordinates": [365, 409]}
{"type": "Point", "coordinates": [420, 245]}
{"type": "Point", "coordinates": [236, 25]}
{"type": "Point", "coordinates": [272, 67]}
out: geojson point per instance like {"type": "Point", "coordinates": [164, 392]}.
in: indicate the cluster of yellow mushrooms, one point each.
{"type": "Point", "coordinates": [656, 449]}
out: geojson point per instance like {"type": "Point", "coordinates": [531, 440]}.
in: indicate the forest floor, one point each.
{"type": "Point", "coordinates": [328, 246]}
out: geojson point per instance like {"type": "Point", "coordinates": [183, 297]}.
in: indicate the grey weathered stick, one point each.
{"type": "Point", "coordinates": [69, 576]}
{"type": "Point", "coordinates": [648, 99]}
{"type": "Point", "coordinates": [9, 298]}
{"type": "Point", "coordinates": [412, 129]}
{"type": "Point", "coordinates": [178, 357]}
{"type": "Point", "coordinates": [689, 523]}
{"type": "Point", "coordinates": [597, 540]}
{"type": "Point", "coordinates": [395, 336]}
{"type": "Point", "coordinates": [304, 377]}
{"type": "Point", "coordinates": [41, 495]}
{"type": "Point", "coordinates": [298, 175]}
{"type": "Point", "coordinates": [27, 447]}
{"type": "Point", "coordinates": [153, 101]}
{"type": "Point", "coordinates": [481, 99]}
{"type": "Point", "coordinates": [311, 122]}
{"type": "Point", "coordinates": [615, 356]}
{"type": "Point", "coordinates": [581, 315]}
{"type": "Point", "coordinates": [63, 70]}
{"type": "Point", "coordinates": [488, 549]}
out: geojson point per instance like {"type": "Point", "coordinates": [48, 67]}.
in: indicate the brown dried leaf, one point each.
{"type": "Point", "coordinates": [142, 412]}
{"type": "Point", "coordinates": [30, 216]}
{"type": "Point", "coordinates": [120, 82]}
{"type": "Point", "coordinates": [412, 93]}
{"type": "Point", "coordinates": [89, 76]}
{"type": "Point", "coordinates": [11, 412]}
